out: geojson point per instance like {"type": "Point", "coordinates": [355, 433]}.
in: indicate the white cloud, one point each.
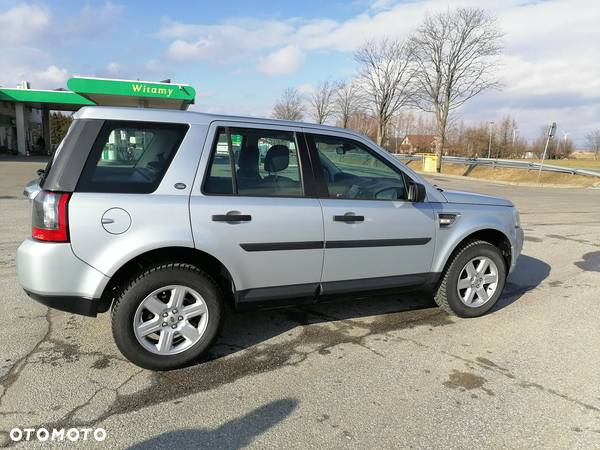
{"type": "Point", "coordinates": [183, 51]}
{"type": "Point", "coordinates": [379, 5]}
{"type": "Point", "coordinates": [280, 41]}
{"type": "Point", "coordinates": [530, 75]}
{"type": "Point", "coordinates": [254, 35]}
{"type": "Point", "coordinates": [23, 23]}
{"type": "Point", "coordinates": [29, 33]}
{"type": "Point", "coordinates": [306, 89]}
{"type": "Point", "coordinates": [113, 68]}
{"type": "Point", "coordinates": [21, 63]}
{"type": "Point", "coordinates": [282, 62]}
{"type": "Point", "coordinates": [229, 41]}
{"type": "Point", "coordinates": [28, 23]}
{"type": "Point", "coordinates": [91, 21]}
{"type": "Point", "coordinates": [51, 76]}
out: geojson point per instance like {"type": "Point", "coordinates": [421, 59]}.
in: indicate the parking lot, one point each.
{"type": "Point", "coordinates": [391, 372]}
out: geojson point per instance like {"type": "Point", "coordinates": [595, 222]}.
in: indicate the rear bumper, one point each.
{"type": "Point", "coordinates": [51, 273]}
{"type": "Point", "coordinates": [76, 305]}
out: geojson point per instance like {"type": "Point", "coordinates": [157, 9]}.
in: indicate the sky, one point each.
{"type": "Point", "coordinates": [240, 55]}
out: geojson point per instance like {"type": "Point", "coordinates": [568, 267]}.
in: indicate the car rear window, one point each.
{"type": "Point", "coordinates": [130, 157]}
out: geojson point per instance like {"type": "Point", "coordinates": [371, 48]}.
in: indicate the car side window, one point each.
{"type": "Point", "coordinates": [352, 171]}
{"type": "Point", "coordinates": [130, 157]}
{"type": "Point", "coordinates": [254, 162]}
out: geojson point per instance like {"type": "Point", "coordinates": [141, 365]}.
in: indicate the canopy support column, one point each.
{"type": "Point", "coordinates": [21, 128]}
{"type": "Point", "coordinates": [46, 129]}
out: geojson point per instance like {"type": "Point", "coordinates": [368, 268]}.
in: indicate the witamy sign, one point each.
{"type": "Point", "coordinates": [154, 90]}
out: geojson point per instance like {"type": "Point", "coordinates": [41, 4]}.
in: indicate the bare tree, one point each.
{"type": "Point", "coordinates": [504, 136]}
{"type": "Point", "coordinates": [322, 101]}
{"type": "Point", "coordinates": [593, 141]}
{"type": "Point", "coordinates": [289, 106]}
{"type": "Point", "coordinates": [363, 122]}
{"type": "Point", "coordinates": [455, 53]}
{"type": "Point", "coordinates": [564, 148]}
{"type": "Point", "coordinates": [538, 145]}
{"type": "Point", "coordinates": [385, 75]}
{"type": "Point", "coordinates": [348, 101]}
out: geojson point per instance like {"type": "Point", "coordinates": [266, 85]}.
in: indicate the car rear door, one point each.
{"type": "Point", "coordinates": [374, 237]}
{"type": "Point", "coordinates": [133, 193]}
{"type": "Point", "coordinates": [252, 207]}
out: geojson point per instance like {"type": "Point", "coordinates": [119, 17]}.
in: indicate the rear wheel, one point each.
{"type": "Point", "coordinates": [473, 280]}
{"type": "Point", "coordinates": [167, 317]}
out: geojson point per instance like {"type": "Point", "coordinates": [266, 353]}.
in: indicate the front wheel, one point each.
{"type": "Point", "coordinates": [473, 280]}
{"type": "Point", "coordinates": [167, 316]}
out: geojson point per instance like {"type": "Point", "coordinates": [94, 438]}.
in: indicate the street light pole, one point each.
{"type": "Point", "coordinates": [514, 138]}
{"type": "Point", "coordinates": [551, 132]}
{"type": "Point", "coordinates": [490, 143]}
{"type": "Point", "coordinates": [565, 135]}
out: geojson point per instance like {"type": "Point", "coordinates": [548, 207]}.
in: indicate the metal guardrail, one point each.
{"type": "Point", "coordinates": [508, 163]}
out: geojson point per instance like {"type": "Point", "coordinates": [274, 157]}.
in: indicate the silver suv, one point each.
{"type": "Point", "coordinates": [169, 217]}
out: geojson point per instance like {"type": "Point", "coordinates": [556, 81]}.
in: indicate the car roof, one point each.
{"type": "Point", "coordinates": [192, 117]}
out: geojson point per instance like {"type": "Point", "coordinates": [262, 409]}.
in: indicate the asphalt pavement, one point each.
{"type": "Point", "coordinates": [377, 373]}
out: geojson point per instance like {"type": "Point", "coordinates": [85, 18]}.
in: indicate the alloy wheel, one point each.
{"type": "Point", "coordinates": [477, 281]}
{"type": "Point", "coordinates": [170, 320]}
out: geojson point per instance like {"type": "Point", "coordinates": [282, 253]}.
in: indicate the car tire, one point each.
{"type": "Point", "coordinates": [136, 306]}
{"type": "Point", "coordinates": [452, 293]}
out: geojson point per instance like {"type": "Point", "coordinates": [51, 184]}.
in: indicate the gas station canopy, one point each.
{"type": "Point", "coordinates": [85, 91]}
{"type": "Point", "coordinates": [53, 100]}
{"type": "Point", "coordinates": [145, 94]}
{"type": "Point", "coordinates": [106, 92]}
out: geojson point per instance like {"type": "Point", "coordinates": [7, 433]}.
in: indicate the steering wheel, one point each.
{"type": "Point", "coordinates": [354, 191]}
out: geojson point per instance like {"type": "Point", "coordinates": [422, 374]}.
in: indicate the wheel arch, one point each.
{"type": "Point", "coordinates": [494, 236]}
{"type": "Point", "coordinates": [201, 259]}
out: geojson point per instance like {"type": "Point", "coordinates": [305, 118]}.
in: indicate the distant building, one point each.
{"type": "Point", "coordinates": [8, 127]}
{"type": "Point", "coordinates": [418, 143]}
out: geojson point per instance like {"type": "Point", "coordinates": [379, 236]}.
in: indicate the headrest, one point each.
{"type": "Point", "coordinates": [277, 158]}
{"type": "Point", "coordinates": [248, 158]}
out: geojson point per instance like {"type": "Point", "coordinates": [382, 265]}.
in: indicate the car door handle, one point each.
{"type": "Point", "coordinates": [231, 218]}
{"type": "Point", "coordinates": [349, 217]}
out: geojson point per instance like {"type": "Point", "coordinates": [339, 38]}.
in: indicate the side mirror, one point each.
{"type": "Point", "coordinates": [416, 192]}
{"type": "Point", "coordinates": [340, 150]}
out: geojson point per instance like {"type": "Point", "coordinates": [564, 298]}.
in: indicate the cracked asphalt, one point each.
{"type": "Point", "coordinates": [392, 372]}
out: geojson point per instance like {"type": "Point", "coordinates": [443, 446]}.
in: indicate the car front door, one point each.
{"type": "Point", "coordinates": [374, 237]}
{"type": "Point", "coordinates": [251, 208]}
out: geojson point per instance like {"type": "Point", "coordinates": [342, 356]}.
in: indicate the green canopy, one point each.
{"type": "Point", "coordinates": [36, 98]}
{"type": "Point", "coordinates": [133, 93]}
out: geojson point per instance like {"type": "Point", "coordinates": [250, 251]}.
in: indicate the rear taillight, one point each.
{"type": "Point", "coordinates": [49, 217]}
